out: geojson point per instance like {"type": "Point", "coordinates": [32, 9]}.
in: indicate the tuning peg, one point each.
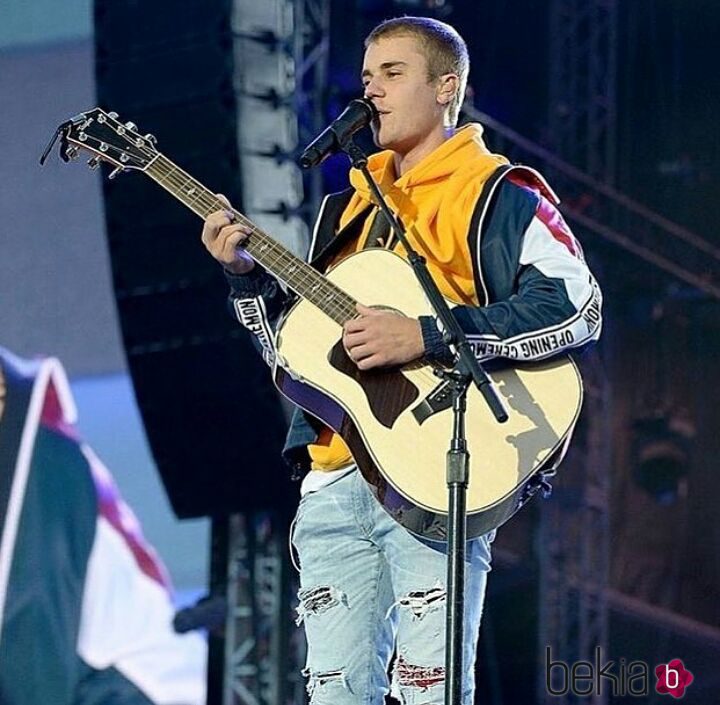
{"type": "Point", "coordinates": [115, 172]}
{"type": "Point", "coordinates": [94, 162]}
{"type": "Point", "coordinates": [72, 152]}
{"type": "Point", "coordinates": [151, 138]}
{"type": "Point", "coordinates": [131, 126]}
{"type": "Point", "coordinates": [113, 115]}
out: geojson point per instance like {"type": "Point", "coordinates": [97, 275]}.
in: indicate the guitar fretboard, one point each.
{"type": "Point", "coordinates": [299, 276]}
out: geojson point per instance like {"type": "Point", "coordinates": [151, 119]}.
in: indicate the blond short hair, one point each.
{"type": "Point", "coordinates": [444, 49]}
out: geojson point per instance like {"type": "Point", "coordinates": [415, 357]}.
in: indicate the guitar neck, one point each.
{"type": "Point", "coordinates": [299, 276]}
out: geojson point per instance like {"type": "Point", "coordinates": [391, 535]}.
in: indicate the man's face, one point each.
{"type": "Point", "coordinates": [395, 78]}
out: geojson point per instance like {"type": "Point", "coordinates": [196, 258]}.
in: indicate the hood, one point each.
{"type": "Point", "coordinates": [435, 200]}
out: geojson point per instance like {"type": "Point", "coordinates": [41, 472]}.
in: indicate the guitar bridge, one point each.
{"type": "Point", "coordinates": [438, 400]}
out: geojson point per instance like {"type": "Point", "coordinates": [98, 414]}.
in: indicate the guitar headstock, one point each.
{"type": "Point", "coordinates": [107, 139]}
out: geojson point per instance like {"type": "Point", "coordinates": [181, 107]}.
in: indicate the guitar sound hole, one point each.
{"type": "Point", "coordinates": [388, 392]}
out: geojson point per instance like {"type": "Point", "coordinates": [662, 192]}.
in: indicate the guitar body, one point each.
{"type": "Point", "coordinates": [398, 432]}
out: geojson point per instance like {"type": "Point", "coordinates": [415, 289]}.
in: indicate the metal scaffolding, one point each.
{"type": "Point", "coordinates": [582, 90]}
{"type": "Point", "coordinates": [281, 50]}
{"type": "Point", "coordinates": [311, 53]}
{"type": "Point", "coordinates": [574, 550]}
{"type": "Point", "coordinates": [280, 53]}
{"type": "Point", "coordinates": [614, 218]}
{"type": "Point", "coordinates": [262, 661]}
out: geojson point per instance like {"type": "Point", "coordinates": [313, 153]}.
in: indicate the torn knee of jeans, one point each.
{"type": "Point", "coordinates": [316, 600]}
{"type": "Point", "coordinates": [420, 602]}
{"type": "Point", "coordinates": [319, 679]}
{"type": "Point", "coordinates": [421, 677]}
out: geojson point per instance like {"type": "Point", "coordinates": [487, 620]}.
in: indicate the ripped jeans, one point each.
{"type": "Point", "coordinates": [369, 589]}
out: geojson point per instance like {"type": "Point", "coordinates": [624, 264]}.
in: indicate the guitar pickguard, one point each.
{"type": "Point", "coordinates": [388, 393]}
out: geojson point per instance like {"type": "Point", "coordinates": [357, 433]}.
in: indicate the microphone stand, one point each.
{"type": "Point", "coordinates": [467, 370]}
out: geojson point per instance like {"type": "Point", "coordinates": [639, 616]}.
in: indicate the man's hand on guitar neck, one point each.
{"type": "Point", "coordinates": [380, 338]}
{"type": "Point", "coordinates": [224, 238]}
{"type": "Point", "coordinates": [376, 338]}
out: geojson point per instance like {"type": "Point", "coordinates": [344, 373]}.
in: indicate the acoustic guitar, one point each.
{"type": "Point", "coordinates": [397, 422]}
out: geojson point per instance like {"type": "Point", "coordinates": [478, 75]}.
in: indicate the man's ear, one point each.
{"type": "Point", "coordinates": [448, 85]}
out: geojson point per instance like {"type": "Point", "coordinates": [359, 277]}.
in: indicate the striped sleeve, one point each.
{"type": "Point", "coordinates": [557, 304]}
{"type": "Point", "coordinates": [85, 608]}
{"type": "Point", "coordinates": [125, 635]}
{"type": "Point", "coordinates": [256, 301]}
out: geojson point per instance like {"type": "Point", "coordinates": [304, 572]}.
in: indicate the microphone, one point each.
{"type": "Point", "coordinates": [359, 113]}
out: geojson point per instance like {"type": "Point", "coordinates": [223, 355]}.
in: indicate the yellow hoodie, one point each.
{"type": "Point", "coordinates": [435, 200]}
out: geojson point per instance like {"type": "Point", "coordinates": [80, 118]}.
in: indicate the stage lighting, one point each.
{"type": "Point", "coordinates": [661, 455]}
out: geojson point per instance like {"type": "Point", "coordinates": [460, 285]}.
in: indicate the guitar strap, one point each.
{"type": "Point", "coordinates": [326, 241]}
{"type": "Point", "coordinates": [379, 234]}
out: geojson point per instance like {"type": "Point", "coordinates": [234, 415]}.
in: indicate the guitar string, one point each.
{"type": "Point", "coordinates": [216, 204]}
{"type": "Point", "coordinates": [328, 297]}
{"type": "Point", "coordinates": [171, 171]}
{"type": "Point", "coordinates": [336, 303]}
{"type": "Point", "coordinates": [332, 300]}
{"type": "Point", "coordinates": [306, 280]}
{"type": "Point", "coordinates": [177, 179]}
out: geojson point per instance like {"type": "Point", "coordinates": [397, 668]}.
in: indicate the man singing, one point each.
{"type": "Point", "coordinates": [498, 248]}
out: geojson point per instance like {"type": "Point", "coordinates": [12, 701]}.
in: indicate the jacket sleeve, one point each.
{"type": "Point", "coordinates": [553, 303]}
{"type": "Point", "coordinates": [256, 301]}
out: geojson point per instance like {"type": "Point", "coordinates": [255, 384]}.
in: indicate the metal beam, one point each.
{"type": "Point", "coordinates": [614, 217]}
{"type": "Point", "coordinates": [574, 547]}
{"type": "Point", "coordinates": [262, 662]}
{"type": "Point", "coordinates": [583, 76]}
{"type": "Point", "coordinates": [265, 88]}
{"type": "Point", "coordinates": [311, 54]}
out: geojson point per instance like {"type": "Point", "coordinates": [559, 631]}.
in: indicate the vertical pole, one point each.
{"type": "Point", "coordinates": [457, 481]}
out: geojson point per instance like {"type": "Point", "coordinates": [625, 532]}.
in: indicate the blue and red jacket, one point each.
{"type": "Point", "coordinates": [537, 296]}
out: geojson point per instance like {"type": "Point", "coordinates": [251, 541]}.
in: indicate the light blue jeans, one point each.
{"type": "Point", "coordinates": [369, 589]}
